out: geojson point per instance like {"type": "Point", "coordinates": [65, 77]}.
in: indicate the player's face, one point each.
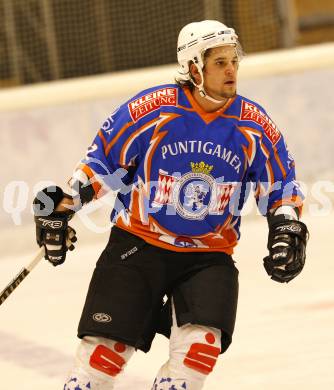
{"type": "Point", "coordinates": [220, 72]}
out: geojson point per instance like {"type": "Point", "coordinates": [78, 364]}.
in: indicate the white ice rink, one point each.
{"type": "Point", "coordinates": [283, 340]}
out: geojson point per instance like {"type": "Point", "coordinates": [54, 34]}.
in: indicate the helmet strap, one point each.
{"type": "Point", "coordinates": [201, 89]}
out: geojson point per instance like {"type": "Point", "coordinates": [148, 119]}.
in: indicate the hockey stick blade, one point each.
{"type": "Point", "coordinates": [21, 275]}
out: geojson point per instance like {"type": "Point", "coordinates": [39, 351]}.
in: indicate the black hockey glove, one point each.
{"type": "Point", "coordinates": [286, 243]}
{"type": "Point", "coordinates": [52, 228]}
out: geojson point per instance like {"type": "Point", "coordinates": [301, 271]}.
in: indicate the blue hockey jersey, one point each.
{"type": "Point", "coordinates": [183, 174]}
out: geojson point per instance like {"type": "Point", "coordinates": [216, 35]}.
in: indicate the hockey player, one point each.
{"type": "Point", "coordinates": [182, 157]}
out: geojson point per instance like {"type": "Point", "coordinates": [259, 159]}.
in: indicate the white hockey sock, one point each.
{"type": "Point", "coordinates": [98, 362]}
{"type": "Point", "coordinates": [193, 353]}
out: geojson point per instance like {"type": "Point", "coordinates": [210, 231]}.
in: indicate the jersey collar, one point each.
{"type": "Point", "coordinates": [207, 117]}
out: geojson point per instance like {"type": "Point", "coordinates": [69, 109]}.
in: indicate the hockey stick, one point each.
{"type": "Point", "coordinates": [22, 275]}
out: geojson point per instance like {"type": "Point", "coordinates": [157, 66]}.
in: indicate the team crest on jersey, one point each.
{"type": "Point", "coordinates": [249, 112]}
{"type": "Point", "coordinates": [151, 102]}
{"type": "Point", "coordinates": [194, 194]}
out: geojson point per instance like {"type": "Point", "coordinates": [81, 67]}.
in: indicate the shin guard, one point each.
{"type": "Point", "coordinates": [98, 362]}
{"type": "Point", "coordinates": [193, 353]}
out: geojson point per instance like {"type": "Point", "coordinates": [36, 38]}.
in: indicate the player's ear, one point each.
{"type": "Point", "coordinates": [195, 73]}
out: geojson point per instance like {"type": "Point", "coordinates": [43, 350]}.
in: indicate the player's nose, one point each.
{"type": "Point", "coordinates": [230, 70]}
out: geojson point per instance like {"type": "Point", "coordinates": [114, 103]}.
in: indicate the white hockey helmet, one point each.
{"type": "Point", "coordinates": [195, 38]}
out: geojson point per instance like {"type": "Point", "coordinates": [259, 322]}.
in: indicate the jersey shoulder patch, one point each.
{"type": "Point", "coordinates": [251, 112]}
{"type": "Point", "coordinates": [151, 101]}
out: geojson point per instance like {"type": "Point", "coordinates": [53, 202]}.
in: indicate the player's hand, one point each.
{"type": "Point", "coordinates": [52, 230]}
{"type": "Point", "coordinates": [286, 243]}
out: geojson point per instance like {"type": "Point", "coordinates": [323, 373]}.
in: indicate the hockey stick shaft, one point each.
{"type": "Point", "coordinates": [21, 275]}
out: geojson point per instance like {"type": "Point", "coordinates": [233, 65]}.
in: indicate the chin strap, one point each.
{"type": "Point", "coordinates": [201, 89]}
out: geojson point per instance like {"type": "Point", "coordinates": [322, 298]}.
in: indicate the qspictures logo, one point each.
{"type": "Point", "coordinates": [152, 101]}
{"type": "Point", "coordinates": [249, 112]}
